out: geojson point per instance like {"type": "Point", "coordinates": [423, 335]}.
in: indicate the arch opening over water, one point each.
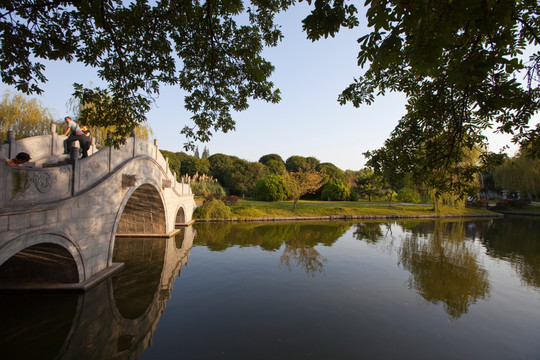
{"type": "Point", "coordinates": [144, 213]}
{"type": "Point", "coordinates": [40, 263]}
{"type": "Point", "coordinates": [180, 216]}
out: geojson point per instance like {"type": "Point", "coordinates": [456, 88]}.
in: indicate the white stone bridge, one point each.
{"type": "Point", "coordinates": [59, 220]}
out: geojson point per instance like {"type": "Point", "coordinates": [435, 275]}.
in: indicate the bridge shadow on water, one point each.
{"type": "Point", "coordinates": [116, 319]}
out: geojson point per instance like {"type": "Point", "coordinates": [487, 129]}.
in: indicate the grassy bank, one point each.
{"type": "Point", "coordinates": [246, 209]}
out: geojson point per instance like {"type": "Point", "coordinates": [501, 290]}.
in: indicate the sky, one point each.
{"type": "Point", "coordinates": [307, 122]}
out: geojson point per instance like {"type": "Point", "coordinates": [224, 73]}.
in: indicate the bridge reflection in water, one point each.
{"type": "Point", "coordinates": [116, 319]}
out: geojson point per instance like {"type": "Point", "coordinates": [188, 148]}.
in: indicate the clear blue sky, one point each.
{"type": "Point", "coordinates": [307, 122]}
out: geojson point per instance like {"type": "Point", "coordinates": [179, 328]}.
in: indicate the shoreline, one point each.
{"type": "Point", "coordinates": [347, 217]}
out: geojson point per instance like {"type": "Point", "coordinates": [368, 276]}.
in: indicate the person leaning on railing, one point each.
{"type": "Point", "coordinates": [21, 159]}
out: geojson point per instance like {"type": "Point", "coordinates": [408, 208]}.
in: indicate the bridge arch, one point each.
{"type": "Point", "coordinates": [142, 212]}
{"type": "Point", "coordinates": [180, 215]}
{"type": "Point", "coordinates": [41, 257]}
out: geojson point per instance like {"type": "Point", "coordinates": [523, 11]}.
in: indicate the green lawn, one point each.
{"type": "Point", "coordinates": [256, 209]}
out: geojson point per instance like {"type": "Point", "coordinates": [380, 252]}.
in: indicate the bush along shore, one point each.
{"type": "Point", "coordinates": [249, 211]}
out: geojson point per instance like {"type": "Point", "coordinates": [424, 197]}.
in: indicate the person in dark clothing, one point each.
{"type": "Point", "coordinates": [85, 141]}
{"type": "Point", "coordinates": [21, 159]}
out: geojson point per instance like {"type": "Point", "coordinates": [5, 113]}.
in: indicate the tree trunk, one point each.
{"type": "Point", "coordinates": [294, 204]}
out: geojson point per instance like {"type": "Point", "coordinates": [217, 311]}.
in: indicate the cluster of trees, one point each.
{"type": "Point", "coordinates": [273, 179]}
{"type": "Point", "coordinates": [26, 117]}
{"type": "Point", "coordinates": [29, 117]}
{"type": "Point", "coordinates": [270, 179]}
{"type": "Point", "coordinates": [520, 173]}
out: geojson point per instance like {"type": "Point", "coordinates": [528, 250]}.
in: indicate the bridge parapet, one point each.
{"type": "Point", "coordinates": [42, 148]}
{"type": "Point", "coordinates": [45, 183]}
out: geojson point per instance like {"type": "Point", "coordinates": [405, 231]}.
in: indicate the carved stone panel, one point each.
{"type": "Point", "coordinates": [93, 169]}
{"type": "Point", "coordinates": [38, 185]}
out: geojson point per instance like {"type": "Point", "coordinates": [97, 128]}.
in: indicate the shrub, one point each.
{"type": "Point", "coordinates": [408, 195]}
{"type": "Point", "coordinates": [206, 187]}
{"type": "Point", "coordinates": [213, 209]}
{"type": "Point", "coordinates": [271, 188]}
{"type": "Point", "coordinates": [335, 190]}
{"type": "Point", "coordinates": [353, 196]}
{"type": "Point", "coordinates": [231, 200]}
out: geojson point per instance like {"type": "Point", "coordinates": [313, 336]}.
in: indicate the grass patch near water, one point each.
{"type": "Point", "coordinates": [258, 209]}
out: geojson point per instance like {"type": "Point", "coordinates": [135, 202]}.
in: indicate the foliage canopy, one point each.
{"type": "Point", "coordinates": [459, 63]}
{"type": "Point", "coordinates": [205, 48]}
{"type": "Point", "coordinates": [26, 117]}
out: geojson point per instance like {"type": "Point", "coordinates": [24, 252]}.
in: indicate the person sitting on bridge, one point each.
{"type": "Point", "coordinates": [21, 159]}
{"type": "Point", "coordinates": [74, 132]}
{"type": "Point", "coordinates": [86, 141]}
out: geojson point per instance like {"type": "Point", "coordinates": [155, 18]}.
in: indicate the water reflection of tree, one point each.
{"type": "Point", "coordinates": [370, 232]}
{"type": "Point", "coordinates": [299, 240]}
{"type": "Point", "coordinates": [516, 240]}
{"type": "Point", "coordinates": [268, 236]}
{"type": "Point", "coordinates": [444, 268]}
{"type": "Point", "coordinates": [302, 254]}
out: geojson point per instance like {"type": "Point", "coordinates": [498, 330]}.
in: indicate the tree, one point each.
{"type": "Point", "coordinates": [520, 173]}
{"type": "Point", "coordinates": [26, 117]}
{"type": "Point", "coordinates": [336, 190]}
{"type": "Point", "coordinates": [312, 162]}
{"type": "Point", "coordinates": [271, 188]}
{"type": "Point", "coordinates": [220, 166]}
{"type": "Point", "coordinates": [274, 163]}
{"type": "Point", "coordinates": [390, 166]}
{"type": "Point", "coordinates": [276, 167]}
{"type": "Point", "coordinates": [296, 163]}
{"type": "Point", "coordinates": [368, 183]}
{"type": "Point", "coordinates": [174, 161]}
{"type": "Point", "coordinates": [302, 182]}
{"type": "Point", "coordinates": [103, 134]}
{"type": "Point", "coordinates": [192, 165]}
{"type": "Point", "coordinates": [205, 153]}
{"type": "Point", "coordinates": [332, 171]}
{"type": "Point", "coordinates": [243, 176]}
{"type": "Point", "coordinates": [268, 157]}
{"type": "Point", "coordinates": [458, 63]}
{"type": "Point", "coordinates": [196, 153]}
{"type": "Point", "coordinates": [138, 45]}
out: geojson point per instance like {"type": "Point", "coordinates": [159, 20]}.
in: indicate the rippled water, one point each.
{"type": "Point", "coordinates": [305, 290]}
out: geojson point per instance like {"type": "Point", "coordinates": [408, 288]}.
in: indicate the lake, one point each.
{"type": "Point", "coordinates": [445, 289]}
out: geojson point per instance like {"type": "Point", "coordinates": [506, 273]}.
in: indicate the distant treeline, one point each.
{"type": "Point", "coordinates": [239, 177]}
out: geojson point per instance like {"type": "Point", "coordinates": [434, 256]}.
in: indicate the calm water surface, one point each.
{"type": "Point", "coordinates": [317, 290]}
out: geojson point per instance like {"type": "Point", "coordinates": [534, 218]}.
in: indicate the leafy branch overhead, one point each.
{"type": "Point", "coordinates": [136, 46]}
{"type": "Point", "coordinates": [465, 67]}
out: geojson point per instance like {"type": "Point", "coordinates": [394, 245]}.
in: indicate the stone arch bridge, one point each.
{"type": "Point", "coordinates": [60, 218]}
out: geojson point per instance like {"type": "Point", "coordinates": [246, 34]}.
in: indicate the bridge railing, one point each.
{"type": "Point", "coordinates": [42, 148]}
{"type": "Point", "coordinates": [23, 187]}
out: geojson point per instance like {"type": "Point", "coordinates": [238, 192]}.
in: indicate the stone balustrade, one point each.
{"type": "Point", "coordinates": [54, 176]}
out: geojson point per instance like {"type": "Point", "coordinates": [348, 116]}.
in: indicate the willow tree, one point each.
{"type": "Point", "coordinates": [25, 116]}
{"type": "Point", "coordinates": [519, 173]}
